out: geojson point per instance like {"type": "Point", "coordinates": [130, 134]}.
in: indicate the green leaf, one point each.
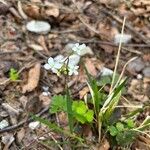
{"type": "Point", "coordinates": [130, 123]}
{"type": "Point", "coordinates": [81, 112]}
{"type": "Point", "coordinates": [125, 138]}
{"type": "Point", "coordinates": [113, 130]}
{"type": "Point", "coordinates": [104, 80]}
{"type": "Point", "coordinates": [89, 116]}
{"type": "Point", "coordinates": [111, 102]}
{"type": "Point", "coordinates": [80, 118]}
{"type": "Point", "coordinates": [81, 109]}
{"type": "Point", "coordinates": [58, 104]}
{"type": "Point", "coordinates": [13, 74]}
{"type": "Point", "coordinates": [119, 126]}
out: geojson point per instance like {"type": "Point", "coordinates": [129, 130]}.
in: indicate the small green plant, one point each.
{"type": "Point", "coordinates": [98, 109]}
{"type": "Point", "coordinates": [123, 133]}
{"type": "Point", "coordinates": [13, 74]}
{"type": "Point", "coordinates": [80, 111]}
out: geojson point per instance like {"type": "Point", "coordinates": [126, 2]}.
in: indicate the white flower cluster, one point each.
{"type": "Point", "coordinates": [59, 63]}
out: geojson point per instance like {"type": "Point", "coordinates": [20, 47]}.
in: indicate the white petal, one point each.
{"type": "Point", "coordinates": [51, 61]}
{"type": "Point", "coordinates": [70, 72]}
{"type": "Point", "coordinates": [54, 70]}
{"type": "Point", "coordinates": [47, 66]}
{"type": "Point", "coordinates": [82, 46]}
{"type": "Point", "coordinates": [76, 72]}
{"type": "Point", "coordinates": [58, 65]}
{"type": "Point", "coordinates": [74, 59]}
{"type": "Point", "coordinates": [59, 58]}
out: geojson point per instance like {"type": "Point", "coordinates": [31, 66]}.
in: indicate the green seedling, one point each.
{"type": "Point", "coordinates": [13, 74]}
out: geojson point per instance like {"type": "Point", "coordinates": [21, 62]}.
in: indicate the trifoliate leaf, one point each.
{"type": "Point", "coordinates": [113, 130]}
{"type": "Point", "coordinates": [119, 126]}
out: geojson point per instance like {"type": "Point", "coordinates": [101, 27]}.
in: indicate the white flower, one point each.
{"type": "Point", "coordinates": [54, 64]}
{"type": "Point", "coordinates": [77, 48]}
{"type": "Point", "coordinates": [73, 70]}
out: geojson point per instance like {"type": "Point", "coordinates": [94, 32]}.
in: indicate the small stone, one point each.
{"type": "Point", "coordinates": [34, 125]}
{"type": "Point", "coordinates": [139, 76]}
{"type": "Point", "coordinates": [3, 124]}
{"type": "Point", "coordinates": [146, 72]}
{"type": "Point", "coordinates": [39, 27]}
{"type": "Point", "coordinates": [106, 72]}
{"type": "Point", "coordinates": [136, 66]}
{"type": "Point", "coordinates": [125, 38]}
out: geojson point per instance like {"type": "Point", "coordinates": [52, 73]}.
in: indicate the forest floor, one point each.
{"type": "Point", "coordinates": [96, 23]}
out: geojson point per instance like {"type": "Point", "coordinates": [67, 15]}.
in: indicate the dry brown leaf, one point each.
{"type": "Point", "coordinates": [20, 10]}
{"type": "Point", "coordinates": [108, 33]}
{"type": "Point", "coordinates": [105, 145]}
{"type": "Point", "coordinates": [113, 3]}
{"type": "Point", "coordinates": [33, 78]}
{"type": "Point", "coordinates": [83, 92]}
{"type": "Point", "coordinates": [46, 100]}
{"type": "Point", "coordinates": [42, 42]}
{"type": "Point", "coordinates": [20, 134]}
{"type": "Point", "coordinates": [32, 11]}
{"type": "Point", "coordinates": [51, 10]}
{"type": "Point", "coordinates": [62, 119]}
{"type": "Point", "coordinates": [91, 68]}
{"type": "Point", "coordinates": [138, 91]}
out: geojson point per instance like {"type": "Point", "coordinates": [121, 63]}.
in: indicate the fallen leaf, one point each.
{"type": "Point", "coordinates": [36, 47]}
{"type": "Point", "coordinates": [20, 134]}
{"type": "Point", "coordinates": [46, 100]}
{"type": "Point", "coordinates": [42, 42]}
{"type": "Point", "coordinates": [113, 3]}
{"type": "Point", "coordinates": [32, 11]}
{"type": "Point", "coordinates": [51, 9]}
{"type": "Point", "coordinates": [83, 92]}
{"type": "Point", "coordinates": [108, 33]}
{"type": "Point", "coordinates": [7, 140]}
{"type": "Point", "coordinates": [89, 64]}
{"type": "Point", "coordinates": [20, 10]}
{"type": "Point", "coordinates": [33, 79]}
{"type": "Point", "coordinates": [104, 145]}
